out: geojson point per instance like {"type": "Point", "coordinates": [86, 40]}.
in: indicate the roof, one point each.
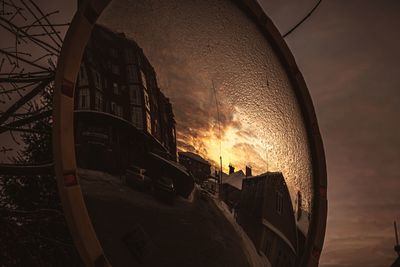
{"type": "Point", "coordinates": [194, 157]}
{"type": "Point", "coordinates": [271, 178]}
{"type": "Point", "coordinates": [234, 179]}
{"type": "Point", "coordinates": [171, 163]}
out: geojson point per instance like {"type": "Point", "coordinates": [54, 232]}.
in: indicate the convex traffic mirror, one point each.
{"type": "Point", "coordinates": [186, 137]}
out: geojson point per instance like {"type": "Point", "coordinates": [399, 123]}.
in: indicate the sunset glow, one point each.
{"type": "Point", "coordinates": [236, 146]}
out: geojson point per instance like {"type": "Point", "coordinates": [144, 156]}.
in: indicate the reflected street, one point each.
{"type": "Point", "coordinates": [133, 225]}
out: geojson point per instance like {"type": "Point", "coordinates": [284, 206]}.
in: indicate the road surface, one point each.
{"type": "Point", "coordinates": [137, 230]}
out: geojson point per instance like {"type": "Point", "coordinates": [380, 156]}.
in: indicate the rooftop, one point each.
{"type": "Point", "coordinates": [194, 157]}
{"type": "Point", "coordinates": [234, 179]}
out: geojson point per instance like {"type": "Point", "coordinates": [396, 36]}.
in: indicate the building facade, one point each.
{"type": "Point", "coordinates": [266, 214]}
{"type": "Point", "coordinates": [120, 112]}
{"type": "Point", "coordinates": [196, 165]}
{"type": "Point", "coordinates": [231, 188]}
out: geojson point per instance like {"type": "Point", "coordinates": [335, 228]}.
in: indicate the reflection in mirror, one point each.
{"type": "Point", "coordinates": [190, 143]}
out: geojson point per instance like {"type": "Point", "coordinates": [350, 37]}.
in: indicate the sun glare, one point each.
{"type": "Point", "coordinates": [238, 146]}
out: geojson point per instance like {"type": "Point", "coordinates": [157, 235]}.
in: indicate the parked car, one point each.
{"type": "Point", "coordinates": [164, 189]}
{"type": "Point", "coordinates": [136, 178]}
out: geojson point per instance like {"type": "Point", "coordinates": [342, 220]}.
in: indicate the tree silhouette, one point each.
{"type": "Point", "coordinates": [34, 231]}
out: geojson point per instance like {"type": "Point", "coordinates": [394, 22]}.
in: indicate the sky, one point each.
{"type": "Point", "coordinates": [348, 52]}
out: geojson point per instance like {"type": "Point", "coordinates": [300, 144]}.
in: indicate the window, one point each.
{"type": "Point", "coordinates": [155, 125]}
{"type": "Point", "coordinates": [97, 80]}
{"type": "Point", "coordinates": [134, 95]}
{"type": "Point", "coordinates": [119, 112]}
{"type": "Point", "coordinates": [146, 100]}
{"type": "Point", "coordinates": [113, 52]}
{"type": "Point", "coordinates": [122, 89]}
{"type": "Point", "coordinates": [98, 101]}
{"type": "Point", "coordinates": [143, 77]}
{"type": "Point", "coordinates": [129, 55]}
{"type": "Point", "coordinates": [113, 107]}
{"type": "Point", "coordinates": [131, 75]}
{"type": "Point", "coordinates": [116, 109]}
{"type": "Point", "coordinates": [136, 116]}
{"type": "Point", "coordinates": [148, 122]}
{"type": "Point", "coordinates": [115, 89]}
{"type": "Point", "coordinates": [115, 69]}
{"type": "Point", "coordinates": [84, 98]}
{"type": "Point", "coordinates": [82, 76]}
{"type": "Point", "coordinates": [105, 83]}
{"type": "Point", "coordinates": [279, 202]}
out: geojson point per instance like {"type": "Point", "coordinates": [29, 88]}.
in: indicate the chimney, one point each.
{"type": "Point", "coordinates": [248, 171]}
{"type": "Point", "coordinates": [231, 169]}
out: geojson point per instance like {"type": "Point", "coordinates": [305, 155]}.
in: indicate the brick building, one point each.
{"type": "Point", "coordinates": [121, 116]}
{"type": "Point", "coordinates": [196, 165]}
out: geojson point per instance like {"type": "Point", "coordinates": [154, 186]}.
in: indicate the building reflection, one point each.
{"type": "Point", "coordinates": [261, 205]}
{"type": "Point", "coordinates": [266, 214]}
{"type": "Point", "coordinates": [123, 121]}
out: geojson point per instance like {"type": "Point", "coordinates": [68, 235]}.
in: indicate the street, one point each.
{"type": "Point", "coordinates": [135, 229]}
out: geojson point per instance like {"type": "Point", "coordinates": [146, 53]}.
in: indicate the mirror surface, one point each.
{"type": "Point", "coordinates": [190, 142]}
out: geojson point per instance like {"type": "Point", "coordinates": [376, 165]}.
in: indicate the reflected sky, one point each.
{"type": "Point", "coordinates": [194, 46]}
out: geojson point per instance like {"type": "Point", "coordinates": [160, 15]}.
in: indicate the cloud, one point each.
{"type": "Point", "coordinates": [199, 44]}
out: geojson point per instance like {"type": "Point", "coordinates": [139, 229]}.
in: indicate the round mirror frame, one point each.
{"type": "Point", "coordinates": [75, 211]}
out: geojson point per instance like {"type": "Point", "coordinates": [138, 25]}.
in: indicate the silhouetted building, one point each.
{"type": "Point", "coordinates": [120, 113]}
{"type": "Point", "coordinates": [196, 165]}
{"type": "Point", "coordinates": [231, 188]}
{"type": "Point", "coordinates": [266, 215]}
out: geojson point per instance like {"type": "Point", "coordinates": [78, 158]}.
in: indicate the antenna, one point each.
{"type": "Point", "coordinates": [219, 129]}
{"type": "Point", "coordinates": [397, 246]}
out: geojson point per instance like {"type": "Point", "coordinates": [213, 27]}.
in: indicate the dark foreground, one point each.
{"type": "Point", "coordinates": [137, 230]}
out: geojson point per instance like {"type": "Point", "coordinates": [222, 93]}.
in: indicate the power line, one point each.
{"type": "Point", "coordinates": [301, 21]}
{"type": "Point", "coordinates": [219, 129]}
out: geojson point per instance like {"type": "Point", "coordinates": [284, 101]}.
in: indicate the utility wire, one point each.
{"type": "Point", "coordinates": [301, 21]}
{"type": "Point", "coordinates": [219, 129]}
